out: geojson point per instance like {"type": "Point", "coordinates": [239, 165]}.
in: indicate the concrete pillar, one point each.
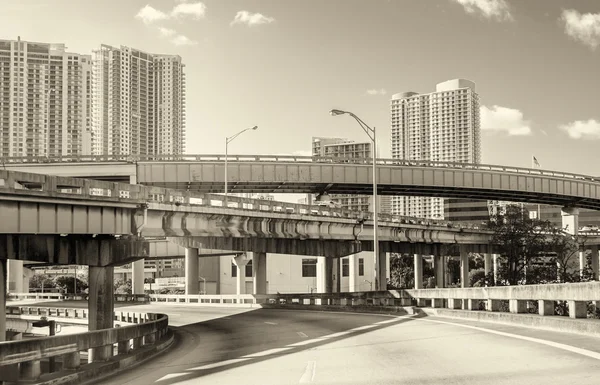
{"type": "Point", "coordinates": [353, 277]}
{"type": "Point", "coordinates": [594, 250]}
{"type": "Point", "coordinates": [487, 263]}
{"type": "Point", "coordinates": [454, 303]}
{"type": "Point", "coordinates": [517, 306]}
{"type": "Point", "coordinates": [30, 370]}
{"type": "Point", "coordinates": [438, 269]}
{"type": "Point", "coordinates": [418, 271]}
{"type": "Point", "coordinates": [3, 300]}
{"type": "Point", "coordinates": [321, 278]}
{"type": "Point", "coordinates": [71, 361]}
{"type": "Point", "coordinates": [493, 305]}
{"type": "Point", "coordinates": [581, 262]}
{"type": "Point", "coordinates": [259, 272]}
{"type": "Point", "coordinates": [545, 307]}
{"type": "Point", "coordinates": [241, 261]}
{"type": "Point", "coordinates": [337, 272]}
{"type": "Point", "coordinates": [381, 271]}
{"type": "Point", "coordinates": [328, 262]}
{"type": "Point", "coordinates": [137, 277]}
{"type": "Point", "coordinates": [437, 303]}
{"type": "Point", "coordinates": [101, 307]}
{"type": "Point", "coordinates": [570, 219]}
{"type": "Point", "coordinates": [577, 309]}
{"type": "Point", "coordinates": [464, 267]}
{"type": "Point", "coordinates": [192, 277]}
{"type": "Point", "coordinates": [15, 276]}
{"type": "Point", "coordinates": [447, 272]}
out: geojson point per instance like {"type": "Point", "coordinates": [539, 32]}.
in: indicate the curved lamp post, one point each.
{"type": "Point", "coordinates": [227, 141]}
{"type": "Point", "coordinates": [371, 134]}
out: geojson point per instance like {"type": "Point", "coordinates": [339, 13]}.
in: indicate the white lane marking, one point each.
{"type": "Point", "coordinates": [170, 376]}
{"type": "Point", "coordinates": [364, 327]}
{"type": "Point", "coordinates": [572, 349]}
{"type": "Point", "coordinates": [267, 352]}
{"type": "Point", "coordinates": [219, 364]}
{"type": "Point", "coordinates": [302, 334]}
{"type": "Point", "coordinates": [271, 323]}
{"type": "Point", "coordinates": [307, 342]}
{"type": "Point", "coordinates": [334, 335]}
{"type": "Point", "coordinates": [386, 321]}
{"type": "Point", "coordinates": [309, 373]}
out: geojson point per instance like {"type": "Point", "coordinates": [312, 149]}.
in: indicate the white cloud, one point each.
{"type": "Point", "coordinates": [376, 92]}
{"type": "Point", "coordinates": [503, 119]}
{"type": "Point", "coordinates": [183, 40]}
{"type": "Point", "coordinates": [149, 15]}
{"type": "Point", "coordinates": [580, 129]}
{"type": "Point", "coordinates": [167, 31]}
{"type": "Point", "coordinates": [584, 28]}
{"type": "Point", "coordinates": [251, 19]}
{"type": "Point", "coordinates": [196, 10]}
{"type": "Point", "coordinates": [490, 9]}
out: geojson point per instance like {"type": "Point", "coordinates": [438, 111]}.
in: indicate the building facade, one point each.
{"type": "Point", "coordinates": [441, 126]}
{"type": "Point", "coordinates": [45, 100]}
{"type": "Point", "coordinates": [139, 102]}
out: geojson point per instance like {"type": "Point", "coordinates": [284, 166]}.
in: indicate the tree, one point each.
{"type": "Point", "coordinates": [402, 272]}
{"type": "Point", "coordinates": [39, 281]}
{"type": "Point", "coordinates": [66, 284]}
{"type": "Point", "coordinates": [123, 287]}
{"type": "Point", "coordinates": [520, 240]}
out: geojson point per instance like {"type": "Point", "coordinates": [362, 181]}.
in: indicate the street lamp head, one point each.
{"type": "Point", "coordinates": [336, 112]}
{"type": "Point", "coordinates": [255, 127]}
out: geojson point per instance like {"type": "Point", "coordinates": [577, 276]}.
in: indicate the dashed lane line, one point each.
{"type": "Point", "coordinates": [309, 373]}
{"type": "Point", "coordinates": [303, 335]}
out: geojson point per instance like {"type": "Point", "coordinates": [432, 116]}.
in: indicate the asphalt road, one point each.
{"type": "Point", "coordinates": [276, 347]}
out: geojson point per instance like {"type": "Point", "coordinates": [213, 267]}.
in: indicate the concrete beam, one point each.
{"type": "Point", "coordinates": [73, 249]}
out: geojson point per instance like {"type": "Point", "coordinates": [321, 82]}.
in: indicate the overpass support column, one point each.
{"type": "Point", "coordinates": [594, 250]}
{"type": "Point", "coordinates": [464, 266]}
{"type": "Point", "coordinates": [192, 287]}
{"type": "Point", "coordinates": [570, 219]}
{"type": "Point", "coordinates": [438, 270]}
{"type": "Point", "coordinates": [15, 276]}
{"type": "Point", "coordinates": [259, 272]}
{"type": "Point", "coordinates": [3, 300]}
{"type": "Point", "coordinates": [381, 271]}
{"type": "Point", "coordinates": [240, 262]}
{"type": "Point", "coordinates": [487, 264]}
{"type": "Point", "coordinates": [418, 271]}
{"type": "Point", "coordinates": [137, 277]}
{"type": "Point", "coordinates": [325, 274]}
{"type": "Point", "coordinates": [337, 273]}
{"type": "Point", "coordinates": [101, 307]}
{"type": "Point", "coordinates": [353, 278]}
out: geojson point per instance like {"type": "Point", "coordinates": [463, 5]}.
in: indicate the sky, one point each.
{"type": "Point", "coordinates": [283, 64]}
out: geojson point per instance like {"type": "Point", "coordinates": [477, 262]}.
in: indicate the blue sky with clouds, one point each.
{"type": "Point", "coordinates": [284, 64]}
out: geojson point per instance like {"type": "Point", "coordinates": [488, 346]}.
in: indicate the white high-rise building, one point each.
{"type": "Point", "coordinates": [439, 126]}
{"type": "Point", "coordinates": [45, 100]}
{"type": "Point", "coordinates": [139, 102]}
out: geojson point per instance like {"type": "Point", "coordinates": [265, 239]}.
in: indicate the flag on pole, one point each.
{"type": "Point", "coordinates": [535, 162]}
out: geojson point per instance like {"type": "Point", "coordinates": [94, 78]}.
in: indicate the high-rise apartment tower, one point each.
{"type": "Point", "coordinates": [439, 126]}
{"type": "Point", "coordinates": [45, 100]}
{"type": "Point", "coordinates": [139, 102]}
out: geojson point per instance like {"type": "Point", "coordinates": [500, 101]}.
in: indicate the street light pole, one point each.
{"type": "Point", "coordinates": [227, 141]}
{"type": "Point", "coordinates": [371, 133]}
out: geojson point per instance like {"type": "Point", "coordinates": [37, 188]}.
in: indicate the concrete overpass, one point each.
{"type": "Point", "coordinates": [292, 174]}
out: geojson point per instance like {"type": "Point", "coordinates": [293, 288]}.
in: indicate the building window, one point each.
{"type": "Point", "coordinates": [309, 267]}
{"type": "Point", "coordinates": [345, 267]}
{"type": "Point", "coordinates": [361, 266]}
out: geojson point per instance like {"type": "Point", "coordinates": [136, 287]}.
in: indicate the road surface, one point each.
{"type": "Point", "coordinates": [276, 347]}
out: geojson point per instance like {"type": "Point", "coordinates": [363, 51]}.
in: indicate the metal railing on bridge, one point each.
{"type": "Point", "coordinates": [293, 159]}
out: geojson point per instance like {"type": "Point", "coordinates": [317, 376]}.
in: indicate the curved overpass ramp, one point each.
{"type": "Point", "coordinates": [395, 177]}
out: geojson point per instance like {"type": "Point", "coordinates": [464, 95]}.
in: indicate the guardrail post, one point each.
{"type": "Point", "coordinates": [517, 306]}
{"type": "Point", "coordinates": [437, 302]}
{"type": "Point", "coordinates": [454, 303]}
{"type": "Point", "coordinates": [30, 370]}
{"type": "Point", "coordinates": [470, 304]}
{"type": "Point", "coordinates": [71, 361]}
{"type": "Point", "coordinates": [150, 339]}
{"type": "Point", "coordinates": [138, 342]}
{"type": "Point", "coordinates": [577, 309]}
{"type": "Point", "coordinates": [123, 346]}
{"type": "Point", "coordinates": [493, 305]}
{"type": "Point", "coordinates": [545, 307]}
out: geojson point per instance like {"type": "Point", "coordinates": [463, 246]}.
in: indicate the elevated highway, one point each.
{"type": "Point", "coordinates": [291, 174]}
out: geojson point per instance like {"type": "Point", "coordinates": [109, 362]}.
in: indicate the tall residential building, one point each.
{"type": "Point", "coordinates": [45, 100]}
{"type": "Point", "coordinates": [352, 151]}
{"type": "Point", "coordinates": [439, 126]}
{"type": "Point", "coordinates": [139, 102]}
